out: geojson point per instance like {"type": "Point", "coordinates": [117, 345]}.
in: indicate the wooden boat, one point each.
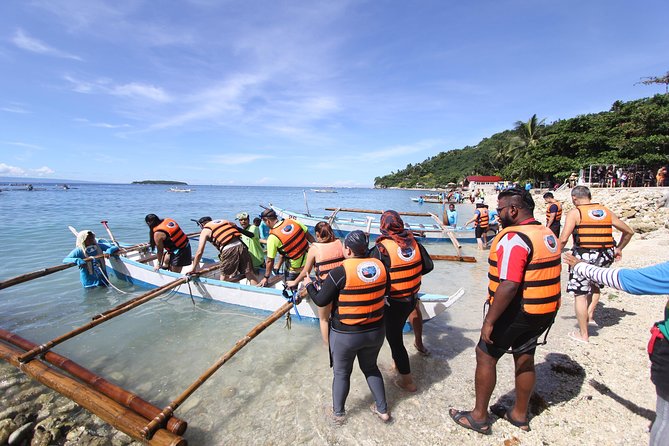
{"type": "Point", "coordinates": [429, 198]}
{"type": "Point", "coordinates": [178, 189]}
{"type": "Point", "coordinates": [137, 268]}
{"type": "Point", "coordinates": [424, 232]}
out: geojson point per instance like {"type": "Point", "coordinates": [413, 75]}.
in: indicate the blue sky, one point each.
{"type": "Point", "coordinates": [297, 92]}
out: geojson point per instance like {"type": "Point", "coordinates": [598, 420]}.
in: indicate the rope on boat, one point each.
{"type": "Point", "coordinates": [108, 282]}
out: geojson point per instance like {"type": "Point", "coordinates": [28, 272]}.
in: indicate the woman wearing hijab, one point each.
{"type": "Point", "coordinates": [406, 261]}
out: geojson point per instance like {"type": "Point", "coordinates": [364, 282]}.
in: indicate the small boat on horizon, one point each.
{"type": "Point", "coordinates": [328, 190]}
{"type": "Point", "coordinates": [178, 189]}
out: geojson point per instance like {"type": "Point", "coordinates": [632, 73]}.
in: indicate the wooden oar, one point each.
{"type": "Point", "coordinates": [167, 412]}
{"type": "Point", "coordinates": [123, 308]}
{"type": "Point", "coordinates": [375, 211]}
{"type": "Point", "coordinates": [466, 259]}
{"type": "Point", "coordinates": [43, 272]}
{"type": "Point", "coordinates": [118, 394]}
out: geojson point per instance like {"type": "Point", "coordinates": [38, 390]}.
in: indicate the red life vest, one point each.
{"type": "Point", "coordinates": [405, 269]}
{"type": "Point", "coordinates": [293, 238]}
{"type": "Point", "coordinates": [595, 230]}
{"type": "Point", "coordinates": [362, 300]}
{"type": "Point", "coordinates": [327, 256]}
{"type": "Point", "coordinates": [176, 239]}
{"type": "Point", "coordinates": [222, 232]}
{"type": "Point", "coordinates": [540, 290]}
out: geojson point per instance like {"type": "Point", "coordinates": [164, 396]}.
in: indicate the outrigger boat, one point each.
{"type": "Point", "coordinates": [429, 198]}
{"type": "Point", "coordinates": [136, 267]}
{"type": "Point", "coordinates": [424, 232]}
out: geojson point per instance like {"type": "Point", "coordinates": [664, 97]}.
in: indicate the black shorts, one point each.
{"type": "Point", "coordinates": [514, 329]}
{"type": "Point", "coordinates": [556, 229]}
{"type": "Point", "coordinates": [659, 367]}
{"type": "Point", "coordinates": [183, 257]}
{"type": "Point", "coordinates": [479, 231]}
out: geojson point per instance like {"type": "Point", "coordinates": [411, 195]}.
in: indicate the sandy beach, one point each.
{"type": "Point", "coordinates": [596, 394]}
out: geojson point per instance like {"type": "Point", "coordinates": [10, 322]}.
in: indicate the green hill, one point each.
{"type": "Point", "coordinates": [630, 133]}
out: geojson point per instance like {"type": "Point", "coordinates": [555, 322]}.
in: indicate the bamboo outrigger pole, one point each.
{"type": "Point", "coordinates": [122, 418]}
{"type": "Point", "coordinates": [376, 211]}
{"type": "Point", "coordinates": [43, 272]}
{"type": "Point", "coordinates": [111, 390]}
{"type": "Point", "coordinates": [123, 308]}
{"type": "Point", "coordinates": [149, 430]}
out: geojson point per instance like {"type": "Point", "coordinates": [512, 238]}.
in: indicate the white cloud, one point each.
{"type": "Point", "coordinates": [14, 109]}
{"type": "Point", "coordinates": [230, 160]}
{"type": "Point", "coordinates": [132, 90]}
{"type": "Point", "coordinates": [42, 171]}
{"type": "Point", "coordinates": [6, 169]}
{"type": "Point", "coordinates": [397, 151]}
{"type": "Point", "coordinates": [103, 125]}
{"type": "Point", "coordinates": [21, 144]}
{"type": "Point", "coordinates": [25, 42]}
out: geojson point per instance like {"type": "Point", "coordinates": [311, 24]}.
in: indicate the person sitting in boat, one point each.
{"type": "Point", "coordinates": [452, 215]}
{"type": "Point", "coordinates": [407, 261]}
{"type": "Point", "coordinates": [253, 243]}
{"type": "Point", "coordinates": [355, 291]}
{"type": "Point", "coordinates": [233, 253]}
{"type": "Point", "coordinates": [165, 235]}
{"type": "Point", "coordinates": [288, 237]}
{"type": "Point", "coordinates": [92, 273]}
{"type": "Point", "coordinates": [324, 255]}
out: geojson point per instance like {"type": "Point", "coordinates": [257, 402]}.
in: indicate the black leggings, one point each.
{"type": "Point", "coordinates": [396, 316]}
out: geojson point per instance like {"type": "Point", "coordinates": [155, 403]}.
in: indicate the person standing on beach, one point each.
{"type": "Point", "coordinates": [553, 213]}
{"type": "Point", "coordinates": [661, 176]}
{"type": "Point", "coordinates": [592, 225]}
{"type": "Point", "coordinates": [407, 261]}
{"type": "Point", "coordinates": [252, 243]}
{"type": "Point", "coordinates": [232, 252]}
{"type": "Point", "coordinates": [356, 292]}
{"type": "Point", "coordinates": [93, 273]}
{"type": "Point", "coordinates": [481, 220]}
{"type": "Point", "coordinates": [524, 297]}
{"type": "Point", "coordinates": [288, 237]}
{"type": "Point", "coordinates": [166, 236]}
{"type": "Point", "coordinates": [650, 280]}
{"type": "Point", "coordinates": [325, 254]}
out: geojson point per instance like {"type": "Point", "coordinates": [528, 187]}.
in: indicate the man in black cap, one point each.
{"type": "Point", "coordinates": [233, 254]}
{"type": "Point", "coordinates": [288, 237]}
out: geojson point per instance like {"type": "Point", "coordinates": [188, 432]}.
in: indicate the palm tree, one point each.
{"type": "Point", "coordinates": [530, 131]}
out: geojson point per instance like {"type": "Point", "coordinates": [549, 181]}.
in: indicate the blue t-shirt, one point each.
{"type": "Point", "coordinates": [452, 217]}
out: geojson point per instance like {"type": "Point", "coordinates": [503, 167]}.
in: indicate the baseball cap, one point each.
{"type": "Point", "coordinates": [268, 213]}
{"type": "Point", "coordinates": [242, 215]}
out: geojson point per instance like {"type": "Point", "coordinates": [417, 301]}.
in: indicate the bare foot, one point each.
{"type": "Point", "coordinates": [405, 384]}
{"type": "Point", "coordinates": [385, 417]}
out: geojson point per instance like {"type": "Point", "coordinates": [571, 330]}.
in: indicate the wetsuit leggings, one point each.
{"type": "Point", "coordinates": [396, 316]}
{"type": "Point", "coordinates": [345, 347]}
{"type": "Point", "coordinates": [659, 433]}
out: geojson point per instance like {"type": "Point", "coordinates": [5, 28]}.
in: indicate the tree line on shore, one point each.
{"type": "Point", "coordinates": [634, 133]}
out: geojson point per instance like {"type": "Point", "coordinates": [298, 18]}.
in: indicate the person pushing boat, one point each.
{"type": "Point", "coordinates": [93, 273]}
{"type": "Point", "coordinates": [288, 237]}
{"type": "Point", "coordinates": [165, 235]}
{"type": "Point", "coordinates": [233, 254]}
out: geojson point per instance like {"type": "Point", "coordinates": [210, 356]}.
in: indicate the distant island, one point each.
{"type": "Point", "coordinates": [160, 182]}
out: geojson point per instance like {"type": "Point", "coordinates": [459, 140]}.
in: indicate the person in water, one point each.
{"type": "Point", "coordinates": [323, 256]}
{"type": "Point", "coordinates": [524, 297]}
{"type": "Point", "coordinates": [166, 236]}
{"type": "Point", "coordinates": [92, 273]}
{"type": "Point", "coordinates": [355, 291]}
{"type": "Point", "coordinates": [651, 280]}
{"type": "Point", "coordinates": [481, 221]}
{"type": "Point", "coordinates": [407, 261]}
{"type": "Point", "coordinates": [452, 215]}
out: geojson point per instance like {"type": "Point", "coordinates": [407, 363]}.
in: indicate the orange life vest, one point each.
{"type": "Point", "coordinates": [362, 300]}
{"type": "Point", "coordinates": [405, 269]}
{"type": "Point", "coordinates": [558, 214]}
{"type": "Point", "coordinates": [540, 290]}
{"type": "Point", "coordinates": [176, 239]}
{"type": "Point", "coordinates": [222, 232]}
{"type": "Point", "coordinates": [483, 219]}
{"type": "Point", "coordinates": [327, 256]}
{"type": "Point", "coordinates": [595, 230]}
{"type": "Point", "coordinates": [293, 238]}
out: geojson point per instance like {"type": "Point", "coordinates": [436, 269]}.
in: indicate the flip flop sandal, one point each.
{"type": "Point", "coordinates": [503, 413]}
{"type": "Point", "coordinates": [480, 427]}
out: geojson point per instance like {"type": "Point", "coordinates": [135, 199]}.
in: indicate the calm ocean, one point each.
{"type": "Point", "coordinates": [158, 349]}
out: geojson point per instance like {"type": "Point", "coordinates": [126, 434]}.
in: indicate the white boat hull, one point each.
{"type": "Point", "coordinates": [130, 269]}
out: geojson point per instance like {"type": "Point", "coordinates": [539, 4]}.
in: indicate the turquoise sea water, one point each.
{"type": "Point", "coordinates": [158, 349]}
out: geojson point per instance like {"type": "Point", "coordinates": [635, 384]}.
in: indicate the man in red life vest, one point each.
{"type": "Point", "coordinates": [523, 298]}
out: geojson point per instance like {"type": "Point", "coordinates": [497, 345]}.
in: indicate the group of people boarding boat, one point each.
{"type": "Point", "coordinates": [366, 295]}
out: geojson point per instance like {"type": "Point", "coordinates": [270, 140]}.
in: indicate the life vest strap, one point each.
{"type": "Point", "coordinates": [364, 290]}
{"type": "Point", "coordinates": [407, 267]}
{"type": "Point", "coordinates": [357, 303]}
{"type": "Point", "coordinates": [541, 265]}
{"type": "Point", "coordinates": [539, 283]}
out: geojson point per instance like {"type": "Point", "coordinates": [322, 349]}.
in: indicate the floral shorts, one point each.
{"type": "Point", "coordinates": [599, 257]}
